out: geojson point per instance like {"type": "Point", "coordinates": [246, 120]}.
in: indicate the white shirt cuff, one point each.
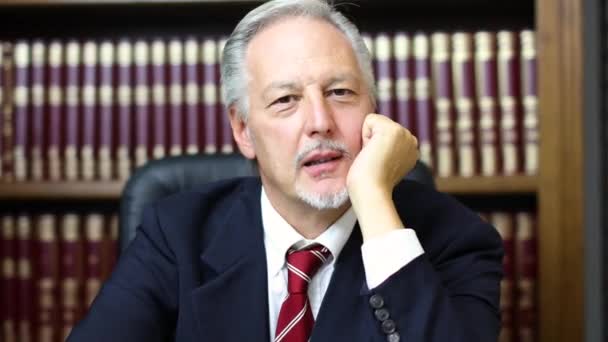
{"type": "Point", "coordinates": [383, 256]}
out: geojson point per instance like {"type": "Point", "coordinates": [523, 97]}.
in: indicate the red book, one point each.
{"type": "Point", "coordinates": [21, 89]}
{"type": "Point", "coordinates": [72, 110]}
{"type": "Point", "coordinates": [9, 280]}
{"type": "Point", "coordinates": [530, 101]}
{"type": "Point", "coordinates": [210, 95]}
{"type": "Point", "coordinates": [141, 56]}
{"type": "Point", "coordinates": [176, 98]}
{"type": "Point", "coordinates": [89, 108]}
{"type": "Point", "coordinates": [422, 95]}
{"type": "Point", "coordinates": [2, 97]}
{"type": "Point", "coordinates": [38, 110]}
{"type": "Point", "coordinates": [71, 273]}
{"type": "Point", "coordinates": [384, 74]}
{"type": "Point", "coordinates": [159, 98]}
{"type": "Point", "coordinates": [444, 114]}
{"type": "Point", "coordinates": [94, 256]}
{"type": "Point", "coordinates": [526, 276]}
{"type": "Point", "coordinates": [487, 95]}
{"type": "Point", "coordinates": [124, 80]}
{"type": "Point", "coordinates": [25, 281]}
{"type": "Point", "coordinates": [192, 93]}
{"type": "Point", "coordinates": [7, 115]}
{"type": "Point", "coordinates": [227, 141]}
{"type": "Point", "coordinates": [404, 74]}
{"type": "Point", "coordinates": [47, 261]}
{"type": "Point", "coordinates": [55, 108]}
{"type": "Point", "coordinates": [106, 114]}
{"type": "Point", "coordinates": [504, 224]}
{"type": "Point", "coordinates": [464, 98]}
{"type": "Point", "coordinates": [508, 89]}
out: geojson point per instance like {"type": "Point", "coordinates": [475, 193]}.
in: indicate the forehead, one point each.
{"type": "Point", "coordinates": [300, 48]}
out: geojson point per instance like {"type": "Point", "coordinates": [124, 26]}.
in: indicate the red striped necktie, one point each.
{"type": "Point", "coordinates": [295, 318]}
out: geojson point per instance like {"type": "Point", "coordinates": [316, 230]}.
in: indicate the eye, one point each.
{"type": "Point", "coordinates": [340, 92]}
{"type": "Point", "coordinates": [284, 100]}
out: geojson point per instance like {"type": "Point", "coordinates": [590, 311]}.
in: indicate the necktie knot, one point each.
{"type": "Point", "coordinates": [302, 266]}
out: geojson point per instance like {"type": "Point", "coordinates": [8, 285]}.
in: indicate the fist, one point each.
{"type": "Point", "coordinates": [388, 153]}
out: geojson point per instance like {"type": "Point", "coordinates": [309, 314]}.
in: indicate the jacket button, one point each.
{"type": "Point", "coordinates": [394, 337]}
{"type": "Point", "coordinates": [389, 326]}
{"type": "Point", "coordinates": [381, 314]}
{"type": "Point", "coordinates": [376, 301]}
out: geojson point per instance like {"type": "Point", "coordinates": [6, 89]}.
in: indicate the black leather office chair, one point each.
{"type": "Point", "coordinates": [163, 177]}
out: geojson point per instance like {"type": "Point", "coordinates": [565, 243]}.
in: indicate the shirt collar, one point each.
{"type": "Point", "coordinates": [279, 235]}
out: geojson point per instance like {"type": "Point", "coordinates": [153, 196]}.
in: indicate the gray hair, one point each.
{"type": "Point", "coordinates": [233, 70]}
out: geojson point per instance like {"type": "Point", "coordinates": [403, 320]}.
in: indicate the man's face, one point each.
{"type": "Point", "coordinates": [307, 103]}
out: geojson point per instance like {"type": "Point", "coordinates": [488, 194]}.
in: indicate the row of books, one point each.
{"type": "Point", "coordinates": [53, 266]}
{"type": "Point", "coordinates": [518, 302]}
{"type": "Point", "coordinates": [95, 109]}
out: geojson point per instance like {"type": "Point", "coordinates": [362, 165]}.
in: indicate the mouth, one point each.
{"type": "Point", "coordinates": [319, 158]}
{"type": "Point", "coordinates": [322, 163]}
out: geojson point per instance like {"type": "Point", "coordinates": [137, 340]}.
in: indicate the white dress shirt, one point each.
{"type": "Point", "coordinates": [382, 256]}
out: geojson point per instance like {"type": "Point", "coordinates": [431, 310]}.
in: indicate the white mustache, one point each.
{"type": "Point", "coordinates": [321, 145]}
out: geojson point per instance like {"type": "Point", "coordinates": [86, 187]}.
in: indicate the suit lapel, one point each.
{"type": "Point", "coordinates": [232, 303]}
{"type": "Point", "coordinates": [344, 302]}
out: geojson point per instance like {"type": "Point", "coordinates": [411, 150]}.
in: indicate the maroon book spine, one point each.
{"type": "Point", "coordinates": [47, 308]}
{"type": "Point", "coordinates": [106, 113]}
{"type": "Point", "coordinates": [176, 98]}
{"type": "Point", "coordinates": [210, 96]}
{"type": "Point", "coordinates": [404, 107]}
{"type": "Point", "coordinates": [9, 280]}
{"type": "Point", "coordinates": [444, 114]}
{"type": "Point", "coordinates": [487, 95]}
{"type": "Point", "coordinates": [526, 276]}
{"type": "Point", "coordinates": [110, 244]}
{"type": "Point", "coordinates": [71, 272]}
{"type": "Point", "coordinates": [508, 81]}
{"type": "Point", "coordinates": [8, 115]}
{"type": "Point", "coordinates": [422, 94]}
{"type": "Point", "coordinates": [504, 224]}
{"type": "Point", "coordinates": [3, 89]}
{"type": "Point", "coordinates": [25, 281]}
{"type": "Point", "coordinates": [141, 56]}
{"type": "Point", "coordinates": [72, 110]}
{"type": "Point", "coordinates": [192, 80]}
{"type": "Point", "coordinates": [159, 97]}
{"type": "Point", "coordinates": [384, 74]}
{"type": "Point", "coordinates": [530, 101]}
{"type": "Point", "coordinates": [227, 141]}
{"type": "Point", "coordinates": [55, 107]}
{"type": "Point", "coordinates": [94, 256]}
{"type": "Point", "coordinates": [89, 108]}
{"type": "Point", "coordinates": [124, 94]}
{"type": "Point", "coordinates": [22, 109]}
{"type": "Point", "coordinates": [38, 110]}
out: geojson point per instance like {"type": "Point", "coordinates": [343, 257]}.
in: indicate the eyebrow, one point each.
{"type": "Point", "coordinates": [292, 86]}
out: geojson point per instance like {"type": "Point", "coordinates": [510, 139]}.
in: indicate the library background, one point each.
{"type": "Point", "coordinates": [505, 98]}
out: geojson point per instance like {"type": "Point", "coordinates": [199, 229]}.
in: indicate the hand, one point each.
{"type": "Point", "coordinates": [389, 151]}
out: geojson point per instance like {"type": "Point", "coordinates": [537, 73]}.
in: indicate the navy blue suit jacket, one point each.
{"type": "Point", "coordinates": [196, 271]}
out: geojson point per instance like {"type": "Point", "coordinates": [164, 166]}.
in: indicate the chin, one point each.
{"type": "Point", "coordinates": [324, 200]}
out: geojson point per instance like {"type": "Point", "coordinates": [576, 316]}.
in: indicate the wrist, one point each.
{"type": "Point", "coordinates": [376, 213]}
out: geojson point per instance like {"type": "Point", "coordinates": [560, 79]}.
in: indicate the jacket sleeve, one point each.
{"type": "Point", "coordinates": [138, 301]}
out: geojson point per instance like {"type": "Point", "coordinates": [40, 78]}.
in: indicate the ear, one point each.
{"type": "Point", "coordinates": [240, 131]}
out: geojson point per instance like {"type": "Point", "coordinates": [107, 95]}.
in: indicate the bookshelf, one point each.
{"type": "Point", "coordinates": [557, 189]}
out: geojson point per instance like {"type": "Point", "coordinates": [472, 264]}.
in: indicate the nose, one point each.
{"type": "Point", "coordinates": [319, 116]}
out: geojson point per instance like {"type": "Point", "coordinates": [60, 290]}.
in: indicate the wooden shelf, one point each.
{"type": "Point", "coordinates": [488, 185]}
{"type": "Point", "coordinates": [113, 189]}
{"type": "Point", "coordinates": [61, 190]}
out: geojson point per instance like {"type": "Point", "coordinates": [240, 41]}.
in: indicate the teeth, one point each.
{"type": "Point", "coordinates": [320, 161]}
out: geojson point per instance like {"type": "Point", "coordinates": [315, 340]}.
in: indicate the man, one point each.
{"type": "Point", "coordinates": [327, 244]}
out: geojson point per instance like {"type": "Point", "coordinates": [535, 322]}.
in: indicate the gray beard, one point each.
{"type": "Point", "coordinates": [323, 201]}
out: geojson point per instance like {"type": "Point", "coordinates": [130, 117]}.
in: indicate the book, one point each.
{"type": "Point", "coordinates": [504, 224]}
{"type": "Point", "coordinates": [423, 100]}
{"type": "Point", "coordinates": [210, 94]}
{"type": "Point", "coordinates": [25, 281]}
{"type": "Point", "coordinates": [530, 101]}
{"type": "Point", "coordinates": [124, 93]}
{"type": "Point", "coordinates": [107, 119]}
{"type": "Point", "coordinates": [384, 74]}
{"type": "Point", "coordinates": [73, 56]}
{"type": "Point", "coordinates": [526, 276]}
{"type": "Point", "coordinates": [94, 256]}
{"type": "Point", "coordinates": [7, 134]}
{"type": "Point", "coordinates": [444, 116]}
{"type": "Point", "coordinates": [47, 261]}
{"type": "Point", "coordinates": [38, 109]}
{"type": "Point", "coordinates": [9, 280]}
{"type": "Point", "coordinates": [71, 272]}
{"type": "Point", "coordinates": [192, 79]}
{"type": "Point", "coordinates": [404, 76]}
{"type": "Point", "coordinates": [141, 55]}
{"type": "Point", "coordinates": [55, 108]}
{"type": "Point", "coordinates": [159, 97]}
{"type": "Point", "coordinates": [3, 89]}
{"type": "Point", "coordinates": [176, 98]}
{"type": "Point", "coordinates": [227, 141]}
{"type": "Point", "coordinates": [89, 90]}
{"type": "Point", "coordinates": [487, 100]}
{"type": "Point", "coordinates": [21, 90]}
